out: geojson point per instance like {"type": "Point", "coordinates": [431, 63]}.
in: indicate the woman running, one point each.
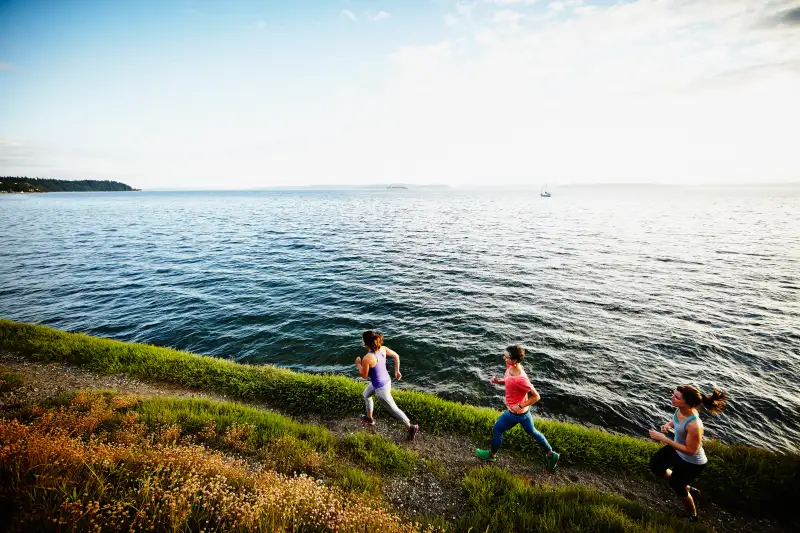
{"type": "Point", "coordinates": [683, 459]}
{"type": "Point", "coordinates": [374, 366]}
{"type": "Point", "coordinates": [520, 395]}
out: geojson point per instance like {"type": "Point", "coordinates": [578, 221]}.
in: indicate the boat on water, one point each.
{"type": "Point", "coordinates": [543, 193]}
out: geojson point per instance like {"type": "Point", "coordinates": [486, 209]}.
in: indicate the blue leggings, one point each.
{"type": "Point", "coordinates": [508, 420]}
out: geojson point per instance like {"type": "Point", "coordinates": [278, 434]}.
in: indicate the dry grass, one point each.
{"type": "Point", "coordinates": [92, 465]}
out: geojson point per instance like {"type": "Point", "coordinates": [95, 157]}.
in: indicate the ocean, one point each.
{"type": "Point", "coordinates": [618, 293]}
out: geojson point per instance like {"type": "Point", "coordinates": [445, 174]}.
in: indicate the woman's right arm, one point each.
{"type": "Point", "coordinates": [365, 364]}
{"type": "Point", "coordinates": [666, 427]}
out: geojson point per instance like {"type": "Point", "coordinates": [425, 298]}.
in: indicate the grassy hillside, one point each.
{"type": "Point", "coordinates": [738, 477]}
{"type": "Point", "coordinates": [95, 461]}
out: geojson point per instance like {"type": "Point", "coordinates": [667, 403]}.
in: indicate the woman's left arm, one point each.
{"type": "Point", "coordinates": [396, 356]}
{"type": "Point", "coordinates": [530, 399]}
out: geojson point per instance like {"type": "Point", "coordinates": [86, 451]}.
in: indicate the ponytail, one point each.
{"type": "Point", "coordinates": [715, 402]}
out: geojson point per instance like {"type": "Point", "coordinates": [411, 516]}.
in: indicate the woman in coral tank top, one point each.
{"type": "Point", "coordinates": [520, 395]}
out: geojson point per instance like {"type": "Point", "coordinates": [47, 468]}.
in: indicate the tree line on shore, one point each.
{"type": "Point", "coordinates": [24, 184]}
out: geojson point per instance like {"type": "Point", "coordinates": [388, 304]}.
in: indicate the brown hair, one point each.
{"type": "Point", "coordinates": [372, 340]}
{"type": "Point", "coordinates": [516, 352]}
{"type": "Point", "coordinates": [713, 402]}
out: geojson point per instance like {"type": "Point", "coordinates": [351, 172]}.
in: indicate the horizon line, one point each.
{"type": "Point", "coordinates": [508, 186]}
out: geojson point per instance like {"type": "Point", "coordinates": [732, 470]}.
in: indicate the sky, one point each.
{"type": "Point", "coordinates": [190, 94]}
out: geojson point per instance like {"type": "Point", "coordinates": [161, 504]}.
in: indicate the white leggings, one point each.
{"type": "Point", "coordinates": [384, 394]}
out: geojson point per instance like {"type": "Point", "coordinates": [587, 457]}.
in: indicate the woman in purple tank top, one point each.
{"type": "Point", "coordinates": [373, 366]}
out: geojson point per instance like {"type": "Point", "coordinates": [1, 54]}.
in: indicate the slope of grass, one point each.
{"type": "Point", "coordinates": [248, 430]}
{"type": "Point", "coordinates": [278, 441]}
{"type": "Point", "coordinates": [92, 465]}
{"type": "Point", "coordinates": [500, 502]}
{"type": "Point", "coordinates": [104, 461]}
{"type": "Point", "coordinates": [741, 478]}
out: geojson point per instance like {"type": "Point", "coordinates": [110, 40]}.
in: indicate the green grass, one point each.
{"type": "Point", "coordinates": [258, 429]}
{"type": "Point", "coordinates": [741, 478]}
{"type": "Point", "coordinates": [354, 480]}
{"type": "Point", "coordinates": [281, 443]}
{"type": "Point", "coordinates": [379, 453]}
{"type": "Point", "coordinates": [9, 380]}
{"type": "Point", "coordinates": [195, 415]}
{"type": "Point", "coordinates": [501, 502]}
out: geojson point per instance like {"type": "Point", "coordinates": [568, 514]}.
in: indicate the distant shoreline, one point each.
{"type": "Point", "coordinates": [24, 184]}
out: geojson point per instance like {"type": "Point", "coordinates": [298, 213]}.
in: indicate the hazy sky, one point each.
{"type": "Point", "coordinates": [237, 94]}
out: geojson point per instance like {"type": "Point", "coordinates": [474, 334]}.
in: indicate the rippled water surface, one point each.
{"type": "Point", "coordinates": [619, 294]}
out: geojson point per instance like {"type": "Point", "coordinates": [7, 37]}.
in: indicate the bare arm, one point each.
{"type": "Point", "coordinates": [531, 399]}
{"type": "Point", "coordinates": [364, 365]}
{"type": "Point", "coordinates": [396, 356]}
{"type": "Point", "coordinates": [498, 381]}
{"type": "Point", "coordinates": [694, 436]}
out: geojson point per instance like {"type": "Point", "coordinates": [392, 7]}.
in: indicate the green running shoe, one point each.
{"type": "Point", "coordinates": [552, 461]}
{"type": "Point", "coordinates": [486, 455]}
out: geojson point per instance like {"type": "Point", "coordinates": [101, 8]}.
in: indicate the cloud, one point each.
{"type": "Point", "coordinates": [462, 15]}
{"type": "Point", "coordinates": [507, 17]}
{"type": "Point", "coordinates": [679, 91]}
{"type": "Point", "coordinates": [380, 15]}
{"type": "Point", "coordinates": [790, 16]}
{"type": "Point", "coordinates": [451, 19]}
{"type": "Point", "coordinates": [414, 60]}
{"type": "Point", "coordinates": [349, 14]}
{"type": "Point", "coordinates": [746, 76]}
{"type": "Point", "coordinates": [464, 10]}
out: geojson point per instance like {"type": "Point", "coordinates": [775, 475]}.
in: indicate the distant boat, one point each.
{"type": "Point", "coordinates": [544, 192]}
{"type": "Point", "coordinates": [397, 187]}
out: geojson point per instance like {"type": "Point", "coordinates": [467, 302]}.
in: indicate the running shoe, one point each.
{"type": "Point", "coordinates": [368, 420]}
{"type": "Point", "coordinates": [552, 461]}
{"type": "Point", "coordinates": [412, 432]}
{"type": "Point", "coordinates": [486, 455]}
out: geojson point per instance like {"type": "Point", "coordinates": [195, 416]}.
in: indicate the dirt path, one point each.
{"type": "Point", "coordinates": [433, 489]}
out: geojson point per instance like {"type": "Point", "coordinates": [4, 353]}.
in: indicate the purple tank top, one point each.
{"type": "Point", "coordinates": [378, 373]}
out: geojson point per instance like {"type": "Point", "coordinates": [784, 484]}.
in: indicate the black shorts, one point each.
{"type": "Point", "coordinates": [682, 472]}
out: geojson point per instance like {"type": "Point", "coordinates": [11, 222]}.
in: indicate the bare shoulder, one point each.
{"type": "Point", "coordinates": [369, 359]}
{"type": "Point", "coordinates": [389, 351]}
